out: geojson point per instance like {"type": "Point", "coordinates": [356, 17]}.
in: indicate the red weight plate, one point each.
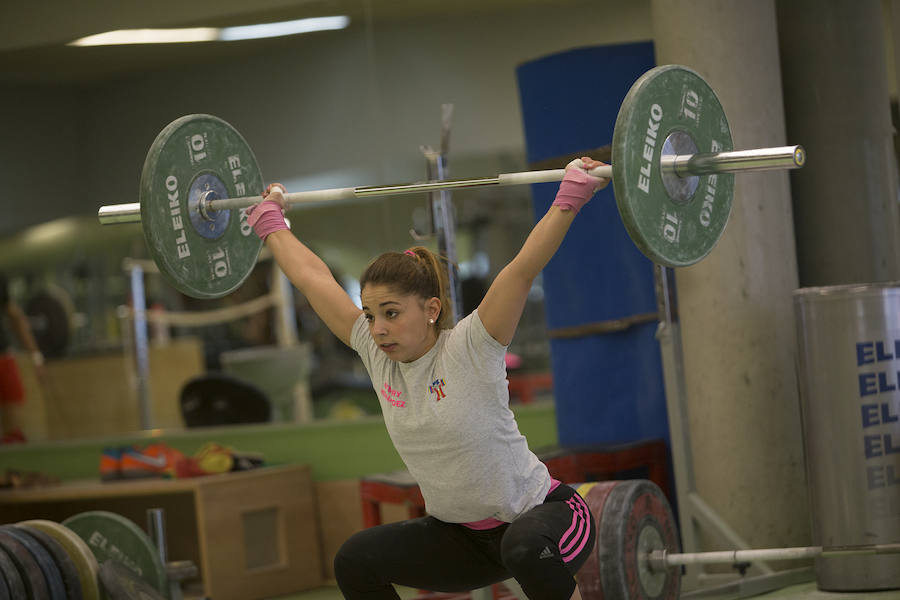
{"type": "Point", "coordinates": [588, 577]}
{"type": "Point", "coordinates": [636, 519]}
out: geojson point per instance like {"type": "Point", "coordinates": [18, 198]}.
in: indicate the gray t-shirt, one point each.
{"type": "Point", "coordinates": [449, 418]}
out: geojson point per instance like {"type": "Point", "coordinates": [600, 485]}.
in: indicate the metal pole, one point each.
{"type": "Point", "coordinates": [156, 527]}
{"type": "Point", "coordinates": [443, 222]}
{"type": "Point", "coordinates": [760, 159]}
{"type": "Point", "coordinates": [141, 346]}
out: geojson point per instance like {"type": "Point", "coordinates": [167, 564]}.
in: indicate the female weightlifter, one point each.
{"type": "Point", "coordinates": [494, 512]}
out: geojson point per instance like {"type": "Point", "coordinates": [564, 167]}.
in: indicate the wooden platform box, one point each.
{"type": "Point", "coordinates": [253, 534]}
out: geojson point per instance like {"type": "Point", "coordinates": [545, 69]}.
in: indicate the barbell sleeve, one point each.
{"type": "Point", "coordinates": [760, 159]}
{"type": "Point", "coordinates": [113, 214]}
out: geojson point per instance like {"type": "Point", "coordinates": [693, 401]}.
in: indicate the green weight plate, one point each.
{"type": "Point", "coordinates": [202, 257]}
{"type": "Point", "coordinates": [594, 495]}
{"type": "Point", "coordinates": [113, 537]}
{"type": "Point", "coordinates": [674, 232]}
{"type": "Point", "coordinates": [78, 551]}
{"type": "Point", "coordinates": [121, 583]}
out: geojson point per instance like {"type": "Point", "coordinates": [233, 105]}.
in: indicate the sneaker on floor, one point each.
{"type": "Point", "coordinates": [155, 460]}
{"type": "Point", "coordinates": [111, 463]}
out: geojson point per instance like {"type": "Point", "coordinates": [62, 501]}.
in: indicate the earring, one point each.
{"type": "Point", "coordinates": [431, 321]}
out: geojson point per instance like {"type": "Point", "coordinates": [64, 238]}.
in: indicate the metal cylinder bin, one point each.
{"type": "Point", "coordinates": [849, 374]}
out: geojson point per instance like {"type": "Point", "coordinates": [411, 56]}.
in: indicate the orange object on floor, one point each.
{"type": "Point", "coordinates": [525, 385]}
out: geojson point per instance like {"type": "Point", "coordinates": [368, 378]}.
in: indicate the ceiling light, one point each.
{"type": "Point", "coordinates": [265, 30]}
{"type": "Point", "coordinates": [149, 36]}
{"type": "Point", "coordinates": [212, 34]}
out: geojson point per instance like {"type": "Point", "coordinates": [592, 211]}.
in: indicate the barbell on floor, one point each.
{"type": "Point", "coordinates": [672, 170]}
{"type": "Point", "coordinates": [661, 559]}
{"type": "Point", "coordinates": [637, 554]}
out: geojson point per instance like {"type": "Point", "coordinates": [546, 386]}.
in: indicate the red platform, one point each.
{"type": "Point", "coordinates": [578, 464]}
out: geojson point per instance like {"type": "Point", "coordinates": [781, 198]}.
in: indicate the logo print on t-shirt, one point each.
{"type": "Point", "coordinates": [392, 396]}
{"type": "Point", "coordinates": [437, 388]}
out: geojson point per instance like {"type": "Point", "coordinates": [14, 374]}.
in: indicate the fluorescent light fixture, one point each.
{"type": "Point", "coordinates": [212, 34]}
{"type": "Point", "coordinates": [266, 30]}
{"type": "Point", "coordinates": [149, 36]}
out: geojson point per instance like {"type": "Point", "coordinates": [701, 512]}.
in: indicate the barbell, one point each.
{"type": "Point", "coordinates": [673, 166]}
{"type": "Point", "coordinates": [636, 555]}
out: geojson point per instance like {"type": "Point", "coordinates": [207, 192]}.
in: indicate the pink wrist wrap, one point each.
{"type": "Point", "coordinates": [266, 218]}
{"type": "Point", "coordinates": [576, 189]}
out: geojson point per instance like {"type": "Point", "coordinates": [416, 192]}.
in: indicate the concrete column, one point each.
{"type": "Point", "coordinates": [837, 102]}
{"type": "Point", "coordinates": [735, 305]}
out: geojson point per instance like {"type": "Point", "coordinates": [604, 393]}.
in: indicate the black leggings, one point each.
{"type": "Point", "coordinates": [542, 549]}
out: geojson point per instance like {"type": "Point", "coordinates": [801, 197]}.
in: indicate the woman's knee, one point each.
{"type": "Point", "coordinates": [523, 548]}
{"type": "Point", "coordinates": [350, 560]}
{"type": "Point", "coordinates": [533, 557]}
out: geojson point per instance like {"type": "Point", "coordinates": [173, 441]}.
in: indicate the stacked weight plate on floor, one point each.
{"type": "Point", "coordinates": [96, 555]}
{"type": "Point", "coordinates": [78, 553]}
{"type": "Point", "coordinates": [68, 571]}
{"type": "Point", "coordinates": [633, 518]}
{"type": "Point", "coordinates": [12, 584]}
{"type": "Point", "coordinates": [39, 573]}
{"type": "Point", "coordinates": [112, 537]}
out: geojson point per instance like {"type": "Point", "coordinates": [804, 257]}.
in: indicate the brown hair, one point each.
{"type": "Point", "coordinates": [417, 271]}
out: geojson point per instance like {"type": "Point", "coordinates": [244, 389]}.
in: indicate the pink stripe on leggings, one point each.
{"type": "Point", "coordinates": [577, 521]}
{"type": "Point", "coordinates": [583, 533]}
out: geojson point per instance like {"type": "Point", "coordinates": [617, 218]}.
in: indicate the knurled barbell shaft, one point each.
{"type": "Point", "coordinates": [660, 559]}
{"type": "Point", "coordinates": [759, 159]}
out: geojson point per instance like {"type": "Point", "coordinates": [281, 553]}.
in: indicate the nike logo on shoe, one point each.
{"type": "Point", "coordinates": [153, 461]}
